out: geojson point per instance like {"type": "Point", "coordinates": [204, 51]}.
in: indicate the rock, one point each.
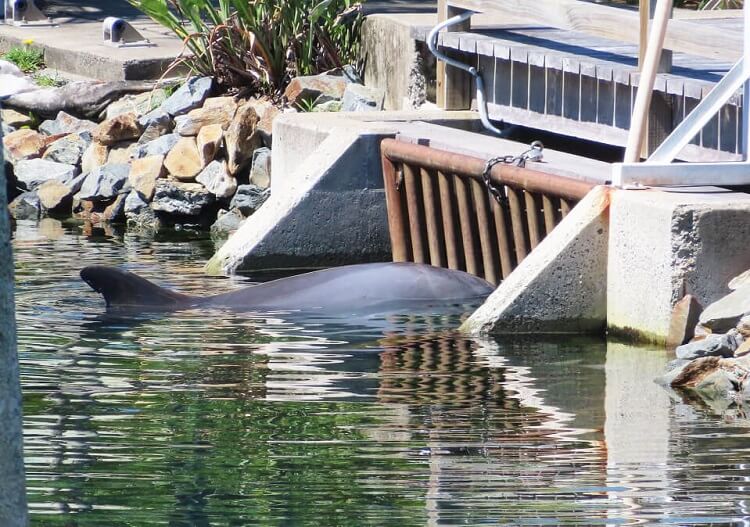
{"type": "Point", "coordinates": [673, 369]}
{"type": "Point", "coordinates": [183, 161]}
{"type": "Point", "coordinates": [226, 223]}
{"type": "Point", "coordinates": [69, 149]}
{"type": "Point", "coordinates": [94, 157]}
{"type": "Point", "coordinates": [716, 345]}
{"type": "Point", "coordinates": [726, 312]}
{"type": "Point", "coordinates": [155, 124]}
{"type": "Point", "coordinates": [330, 106]}
{"type": "Point", "coordinates": [8, 68]}
{"type": "Point", "coordinates": [358, 98]}
{"type": "Point", "coordinates": [217, 110]}
{"type": "Point", "coordinates": [742, 349]}
{"type": "Point", "coordinates": [105, 183]}
{"type": "Point", "coordinates": [315, 88]}
{"type": "Point", "coordinates": [120, 128]}
{"type": "Point", "coordinates": [267, 113]}
{"type": "Point", "coordinates": [26, 206]}
{"type": "Point", "coordinates": [115, 211]}
{"type": "Point", "coordinates": [260, 172]}
{"type": "Point", "coordinates": [15, 119]}
{"type": "Point", "coordinates": [241, 138]}
{"type": "Point", "coordinates": [135, 204]}
{"type": "Point", "coordinates": [248, 199]}
{"type": "Point", "coordinates": [121, 153]}
{"type": "Point", "coordinates": [188, 96]}
{"type": "Point", "coordinates": [55, 196]}
{"type": "Point", "coordinates": [23, 144]}
{"type": "Point", "coordinates": [139, 104]}
{"type": "Point", "coordinates": [348, 72]}
{"type": "Point", "coordinates": [143, 175]}
{"type": "Point", "coordinates": [13, 85]}
{"type": "Point", "coordinates": [184, 199]}
{"type": "Point", "coordinates": [65, 123]}
{"type": "Point", "coordinates": [740, 280]}
{"type": "Point", "coordinates": [6, 129]}
{"type": "Point", "coordinates": [33, 172]}
{"type": "Point", "coordinates": [217, 180]}
{"type": "Point", "coordinates": [685, 315]}
{"type": "Point", "coordinates": [157, 147]}
{"type": "Point", "coordinates": [209, 141]}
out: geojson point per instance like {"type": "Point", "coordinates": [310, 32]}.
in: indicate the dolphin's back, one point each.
{"type": "Point", "coordinates": [364, 288]}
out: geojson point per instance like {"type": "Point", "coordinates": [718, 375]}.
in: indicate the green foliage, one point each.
{"type": "Point", "coordinates": [260, 44]}
{"type": "Point", "coordinates": [28, 59]}
{"type": "Point", "coordinates": [42, 79]}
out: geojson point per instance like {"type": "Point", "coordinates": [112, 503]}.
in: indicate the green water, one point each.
{"type": "Point", "coordinates": [220, 418]}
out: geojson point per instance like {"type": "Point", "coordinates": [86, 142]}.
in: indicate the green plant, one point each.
{"type": "Point", "coordinates": [43, 79]}
{"type": "Point", "coordinates": [28, 59]}
{"type": "Point", "coordinates": [260, 44]}
{"type": "Point", "coordinates": [306, 105]}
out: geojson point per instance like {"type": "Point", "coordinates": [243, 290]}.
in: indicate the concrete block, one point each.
{"type": "Point", "coordinates": [561, 286]}
{"type": "Point", "coordinates": [666, 244]}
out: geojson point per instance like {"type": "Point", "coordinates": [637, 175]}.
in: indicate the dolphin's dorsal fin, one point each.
{"type": "Point", "coordinates": [122, 289]}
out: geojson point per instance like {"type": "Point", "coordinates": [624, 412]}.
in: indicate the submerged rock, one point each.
{"type": "Point", "coordinates": [248, 199]}
{"type": "Point", "coordinates": [27, 206]}
{"type": "Point", "coordinates": [226, 223]}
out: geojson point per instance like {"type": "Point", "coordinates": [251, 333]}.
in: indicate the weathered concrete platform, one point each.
{"type": "Point", "coordinates": [75, 44]}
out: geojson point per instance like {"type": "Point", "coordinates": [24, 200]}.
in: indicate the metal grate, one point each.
{"type": "Point", "coordinates": [440, 211]}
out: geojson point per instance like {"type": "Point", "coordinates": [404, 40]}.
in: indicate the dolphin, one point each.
{"type": "Point", "coordinates": [355, 289]}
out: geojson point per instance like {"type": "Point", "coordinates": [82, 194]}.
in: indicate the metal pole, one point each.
{"type": "Point", "coordinates": [746, 90]}
{"type": "Point", "coordinates": [646, 84]}
{"type": "Point", "coordinates": [12, 482]}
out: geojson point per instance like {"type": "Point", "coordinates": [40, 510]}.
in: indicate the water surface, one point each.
{"type": "Point", "coordinates": [220, 418]}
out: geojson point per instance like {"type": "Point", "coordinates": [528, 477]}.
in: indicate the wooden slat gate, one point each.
{"type": "Point", "coordinates": [440, 211]}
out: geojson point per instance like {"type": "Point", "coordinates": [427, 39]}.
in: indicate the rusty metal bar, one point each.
{"type": "Point", "coordinates": [565, 207]}
{"type": "Point", "coordinates": [517, 221]}
{"type": "Point", "coordinates": [484, 224]}
{"type": "Point", "coordinates": [532, 217]}
{"type": "Point", "coordinates": [550, 218]}
{"type": "Point", "coordinates": [435, 238]}
{"type": "Point", "coordinates": [462, 165]}
{"type": "Point", "coordinates": [465, 215]}
{"type": "Point", "coordinates": [452, 247]}
{"type": "Point", "coordinates": [504, 237]}
{"type": "Point", "coordinates": [414, 211]}
{"type": "Point", "coordinates": [396, 225]}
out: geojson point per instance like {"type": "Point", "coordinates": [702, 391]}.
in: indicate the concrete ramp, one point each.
{"type": "Point", "coordinates": [561, 286]}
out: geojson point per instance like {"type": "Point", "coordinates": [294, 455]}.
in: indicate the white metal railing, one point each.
{"type": "Point", "coordinates": [659, 169]}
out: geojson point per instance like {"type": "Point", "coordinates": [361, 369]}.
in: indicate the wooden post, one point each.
{"type": "Point", "coordinates": [638, 124]}
{"type": "Point", "coordinates": [453, 85]}
{"type": "Point", "coordinates": [12, 482]}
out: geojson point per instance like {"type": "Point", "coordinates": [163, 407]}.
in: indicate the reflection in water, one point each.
{"type": "Point", "coordinates": [218, 418]}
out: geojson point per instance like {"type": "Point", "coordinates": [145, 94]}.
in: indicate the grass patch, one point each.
{"type": "Point", "coordinates": [48, 81]}
{"type": "Point", "coordinates": [28, 59]}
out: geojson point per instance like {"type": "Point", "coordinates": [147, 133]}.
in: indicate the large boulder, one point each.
{"type": "Point", "coordinates": [315, 89]}
{"type": "Point", "coordinates": [216, 110]}
{"type": "Point", "coordinates": [217, 180]}
{"type": "Point", "coordinates": [144, 173]}
{"type": "Point", "coordinates": [241, 138]}
{"type": "Point", "coordinates": [183, 161]}
{"type": "Point", "coordinates": [23, 144]}
{"type": "Point", "coordinates": [714, 345]}
{"type": "Point", "coordinates": [358, 98]}
{"type": "Point", "coordinates": [65, 123]}
{"type": "Point", "coordinates": [726, 312]}
{"type": "Point", "coordinates": [33, 172]}
{"type": "Point", "coordinates": [55, 196]}
{"type": "Point", "coordinates": [69, 149]}
{"type": "Point", "coordinates": [15, 119]}
{"type": "Point", "coordinates": [139, 104]}
{"type": "Point", "coordinates": [181, 199]}
{"type": "Point", "coordinates": [121, 128]}
{"type": "Point", "coordinates": [248, 199]}
{"type": "Point", "coordinates": [158, 147]}
{"type": "Point", "coordinates": [105, 183]}
{"type": "Point", "coordinates": [154, 124]}
{"type": "Point", "coordinates": [188, 96]}
{"type": "Point", "coordinates": [94, 156]}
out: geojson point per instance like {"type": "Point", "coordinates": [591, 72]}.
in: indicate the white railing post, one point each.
{"type": "Point", "coordinates": [746, 90]}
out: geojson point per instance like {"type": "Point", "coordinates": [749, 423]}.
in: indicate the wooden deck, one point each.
{"type": "Point", "coordinates": [583, 85]}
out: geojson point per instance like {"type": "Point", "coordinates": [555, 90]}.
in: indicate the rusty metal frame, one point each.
{"type": "Point", "coordinates": [440, 211]}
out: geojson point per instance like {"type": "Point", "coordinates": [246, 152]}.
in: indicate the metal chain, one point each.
{"type": "Point", "coordinates": [534, 153]}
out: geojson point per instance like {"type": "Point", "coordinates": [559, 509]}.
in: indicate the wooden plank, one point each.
{"type": "Point", "coordinates": [503, 75]}
{"type": "Point", "coordinates": [537, 90]}
{"type": "Point", "coordinates": [571, 89]}
{"type": "Point", "coordinates": [588, 93]}
{"type": "Point", "coordinates": [605, 103]}
{"type": "Point", "coordinates": [520, 74]}
{"type": "Point", "coordinates": [617, 24]}
{"type": "Point", "coordinates": [554, 85]}
{"type": "Point", "coordinates": [453, 85]}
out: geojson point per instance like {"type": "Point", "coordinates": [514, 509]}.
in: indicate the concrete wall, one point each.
{"type": "Point", "coordinates": [665, 244]}
{"type": "Point", "coordinates": [12, 481]}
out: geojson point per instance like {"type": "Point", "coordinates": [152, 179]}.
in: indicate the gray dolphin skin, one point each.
{"type": "Point", "coordinates": [361, 289]}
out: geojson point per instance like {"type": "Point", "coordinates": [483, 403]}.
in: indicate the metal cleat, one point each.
{"type": "Point", "coordinates": [119, 33]}
{"type": "Point", "coordinates": [25, 13]}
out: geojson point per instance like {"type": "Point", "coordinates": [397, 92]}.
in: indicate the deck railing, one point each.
{"type": "Point", "coordinates": [442, 211]}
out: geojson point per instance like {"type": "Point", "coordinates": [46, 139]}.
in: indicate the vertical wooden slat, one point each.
{"type": "Point", "coordinates": [449, 221]}
{"type": "Point", "coordinates": [565, 206]}
{"type": "Point", "coordinates": [484, 222]}
{"type": "Point", "coordinates": [435, 238]}
{"type": "Point", "coordinates": [532, 217]}
{"type": "Point", "coordinates": [468, 237]}
{"type": "Point", "coordinates": [517, 221]}
{"type": "Point", "coordinates": [416, 221]}
{"type": "Point", "coordinates": [550, 208]}
{"type": "Point", "coordinates": [504, 241]}
{"type": "Point", "coordinates": [397, 226]}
